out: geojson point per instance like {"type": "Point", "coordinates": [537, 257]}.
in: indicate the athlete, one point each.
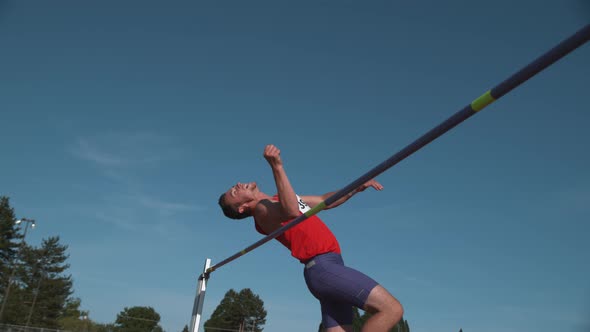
{"type": "Point", "coordinates": [336, 286]}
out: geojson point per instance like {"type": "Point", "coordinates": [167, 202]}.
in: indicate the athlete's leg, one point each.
{"type": "Point", "coordinates": [324, 278]}
{"type": "Point", "coordinates": [386, 310]}
{"type": "Point", "coordinates": [338, 288]}
{"type": "Point", "coordinates": [336, 316]}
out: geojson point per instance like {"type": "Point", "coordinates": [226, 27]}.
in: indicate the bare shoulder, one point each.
{"type": "Point", "coordinates": [267, 215]}
{"type": "Point", "coordinates": [263, 207]}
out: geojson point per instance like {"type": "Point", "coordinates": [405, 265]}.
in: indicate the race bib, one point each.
{"type": "Point", "coordinates": [303, 207]}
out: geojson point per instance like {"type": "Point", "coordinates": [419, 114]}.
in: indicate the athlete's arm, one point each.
{"type": "Point", "coordinates": [287, 198]}
{"type": "Point", "coordinates": [317, 199]}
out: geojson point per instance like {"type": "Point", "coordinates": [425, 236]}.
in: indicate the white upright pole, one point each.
{"type": "Point", "coordinates": [200, 297]}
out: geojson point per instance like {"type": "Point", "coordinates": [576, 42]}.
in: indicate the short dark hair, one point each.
{"type": "Point", "coordinates": [229, 211]}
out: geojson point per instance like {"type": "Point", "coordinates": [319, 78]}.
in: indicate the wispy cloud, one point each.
{"type": "Point", "coordinates": [163, 206]}
{"type": "Point", "coordinates": [123, 219]}
{"type": "Point", "coordinates": [116, 150]}
{"type": "Point", "coordinates": [87, 151]}
{"type": "Point", "coordinates": [118, 157]}
{"type": "Point", "coordinates": [153, 205]}
{"type": "Point", "coordinates": [132, 212]}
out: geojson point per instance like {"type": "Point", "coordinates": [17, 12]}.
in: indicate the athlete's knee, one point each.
{"type": "Point", "coordinates": [393, 310]}
{"type": "Point", "coordinates": [381, 301]}
{"type": "Point", "coordinates": [397, 311]}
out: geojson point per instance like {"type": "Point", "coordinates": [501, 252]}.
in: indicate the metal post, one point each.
{"type": "Point", "coordinates": [200, 298]}
{"type": "Point", "coordinates": [37, 290]}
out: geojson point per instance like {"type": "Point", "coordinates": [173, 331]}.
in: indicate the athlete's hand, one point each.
{"type": "Point", "coordinates": [371, 183]}
{"type": "Point", "coordinates": [272, 154]}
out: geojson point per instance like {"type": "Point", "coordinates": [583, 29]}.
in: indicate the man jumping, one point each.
{"type": "Point", "coordinates": [336, 286]}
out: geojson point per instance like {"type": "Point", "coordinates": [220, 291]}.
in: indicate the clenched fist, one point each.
{"type": "Point", "coordinates": [272, 154]}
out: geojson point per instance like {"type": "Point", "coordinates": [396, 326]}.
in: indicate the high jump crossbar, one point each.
{"type": "Point", "coordinates": [553, 55]}
{"type": "Point", "coordinates": [542, 62]}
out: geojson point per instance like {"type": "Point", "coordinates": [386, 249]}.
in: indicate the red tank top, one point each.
{"type": "Point", "coordinates": [309, 238]}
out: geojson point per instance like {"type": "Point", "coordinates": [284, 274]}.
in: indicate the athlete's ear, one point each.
{"type": "Point", "coordinates": [242, 207]}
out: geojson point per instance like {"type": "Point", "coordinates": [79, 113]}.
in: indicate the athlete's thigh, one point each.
{"type": "Point", "coordinates": [344, 284]}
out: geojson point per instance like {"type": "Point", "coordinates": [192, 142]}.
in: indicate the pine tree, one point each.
{"type": "Point", "coordinates": [238, 311]}
{"type": "Point", "coordinates": [10, 243]}
{"type": "Point", "coordinates": [46, 286]}
{"type": "Point", "coordinates": [8, 240]}
{"type": "Point", "coordinates": [74, 319]}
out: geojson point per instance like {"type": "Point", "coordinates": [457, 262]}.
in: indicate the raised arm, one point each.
{"type": "Point", "coordinates": [287, 197]}
{"type": "Point", "coordinates": [317, 199]}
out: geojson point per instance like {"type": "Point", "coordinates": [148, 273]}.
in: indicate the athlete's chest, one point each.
{"type": "Point", "coordinates": [273, 221]}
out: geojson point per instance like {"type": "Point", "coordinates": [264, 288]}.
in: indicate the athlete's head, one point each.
{"type": "Point", "coordinates": [234, 202]}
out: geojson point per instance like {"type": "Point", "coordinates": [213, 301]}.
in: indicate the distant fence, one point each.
{"type": "Point", "coordinates": [18, 328]}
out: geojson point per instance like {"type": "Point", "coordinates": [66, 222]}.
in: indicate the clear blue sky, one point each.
{"type": "Point", "coordinates": [123, 121]}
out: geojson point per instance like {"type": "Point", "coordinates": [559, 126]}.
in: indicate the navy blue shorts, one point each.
{"type": "Point", "coordinates": [338, 288]}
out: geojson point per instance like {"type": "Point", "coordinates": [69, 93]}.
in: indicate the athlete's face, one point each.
{"type": "Point", "coordinates": [241, 193]}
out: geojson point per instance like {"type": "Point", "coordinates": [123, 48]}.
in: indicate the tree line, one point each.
{"type": "Point", "coordinates": [37, 291]}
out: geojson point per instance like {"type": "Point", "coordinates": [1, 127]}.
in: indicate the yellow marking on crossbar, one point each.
{"type": "Point", "coordinates": [315, 209]}
{"type": "Point", "coordinates": [482, 101]}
